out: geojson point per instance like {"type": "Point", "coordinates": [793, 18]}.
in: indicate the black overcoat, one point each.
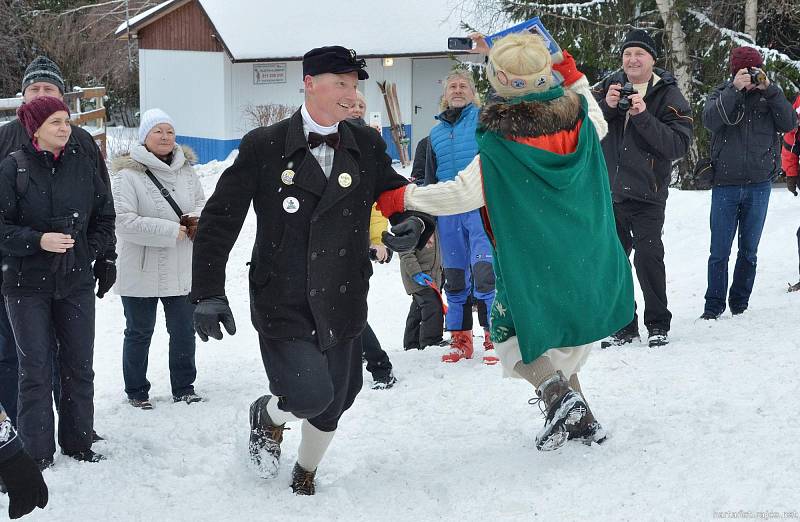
{"type": "Point", "coordinates": [310, 269]}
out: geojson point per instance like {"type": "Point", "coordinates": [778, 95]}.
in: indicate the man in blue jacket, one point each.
{"type": "Point", "coordinates": [466, 250]}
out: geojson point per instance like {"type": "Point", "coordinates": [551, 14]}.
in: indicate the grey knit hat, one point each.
{"type": "Point", "coordinates": [43, 69]}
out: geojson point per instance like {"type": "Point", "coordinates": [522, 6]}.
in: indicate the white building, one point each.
{"type": "Point", "coordinates": [205, 61]}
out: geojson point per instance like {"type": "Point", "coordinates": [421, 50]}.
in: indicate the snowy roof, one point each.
{"type": "Point", "coordinates": [143, 16]}
{"type": "Point", "coordinates": [277, 29]}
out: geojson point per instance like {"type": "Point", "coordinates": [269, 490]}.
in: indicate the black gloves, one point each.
{"type": "Point", "coordinates": [208, 313]}
{"type": "Point", "coordinates": [406, 235]}
{"type": "Point", "coordinates": [105, 271]}
{"type": "Point", "coordinates": [373, 255]}
{"type": "Point", "coordinates": [25, 485]}
{"type": "Point", "coordinates": [791, 184]}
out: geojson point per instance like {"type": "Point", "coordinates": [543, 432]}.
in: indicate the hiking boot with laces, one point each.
{"type": "Point", "coordinates": [384, 382]}
{"type": "Point", "coordinates": [620, 338]}
{"type": "Point", "coordinates": [302, 480]}
{"type": "Point", "coordinates": [265, 440]}
{"type": "Point", "coordinates": [563, 408]}
{"type": "Point", "coordinates": [460, 347]}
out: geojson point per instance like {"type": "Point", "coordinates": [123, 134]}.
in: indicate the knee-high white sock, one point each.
{"type": "Point", "coordinates": [313, 445]}
{"type": "Point", "coordinates": [277, 415]}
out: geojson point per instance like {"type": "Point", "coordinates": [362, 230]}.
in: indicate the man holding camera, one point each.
{"type": "Point", "coordinates": [746, 116]}
{"type": "Point", "coordinates": [649, 126]}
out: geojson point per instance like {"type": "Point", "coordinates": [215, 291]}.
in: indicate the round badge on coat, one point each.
{"type": "Point", "coordinates": [291, 205]}
{"type": "Point", "coordinates": [287, 176]}
{"type": "Point", "coordinates": [345, 180]}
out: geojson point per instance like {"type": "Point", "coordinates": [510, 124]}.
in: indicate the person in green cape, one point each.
{"type": "Point", "coordinates": [563, 280]}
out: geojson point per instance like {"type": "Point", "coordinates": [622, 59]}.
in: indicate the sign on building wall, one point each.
{"type": "Point", "coordinates": [266, 73]}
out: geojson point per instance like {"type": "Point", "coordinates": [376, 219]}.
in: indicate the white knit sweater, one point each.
{"type": "Point", "coordinates": [465, 192]}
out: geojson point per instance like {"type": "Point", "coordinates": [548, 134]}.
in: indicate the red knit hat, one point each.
{"type": "Point", "coordinates": [744, 57]}
{"type": "Point", "coordinates": [34, 113]}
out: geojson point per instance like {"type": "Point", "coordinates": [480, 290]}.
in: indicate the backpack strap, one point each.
{"type": "Point", "coordinates": [23, 176]}
{"type": "Point", "coordinates": [164, 192]}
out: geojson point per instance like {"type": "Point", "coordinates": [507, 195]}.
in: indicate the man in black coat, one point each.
{"type": "Point", "coordinates": [312, 180]}
{"type": "Point", "coordinates": [43, 78]}
{"type": "Point", "coordinates": [647, 131]}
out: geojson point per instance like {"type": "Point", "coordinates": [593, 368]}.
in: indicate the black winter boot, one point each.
{"type": "Point", "coordinates": [563, 407]}
{"type": "Point", "coordinates": [302, 480]}
{"type": "Point", "coordinates": [265, 439]}
{"type": "Point", "coordinates": [621, 337]}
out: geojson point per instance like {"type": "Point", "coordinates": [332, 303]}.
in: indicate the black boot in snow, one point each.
{"type": "Point", "coordinates": [265, 439]}
{"type": "Point", "coordinates": [563, 407]}
{"type": "Point", "coordinates": [621, 337]}
{"type": "Point", "coordinates": [795, 287]}
{"type": "Point", "coordinates": [587, 430]}
{"type": "Point", "coordinates": [302, 480]}
{"type": "Point", "coordinates": [85, 456]}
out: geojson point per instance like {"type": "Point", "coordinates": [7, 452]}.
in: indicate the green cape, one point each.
{"type": "Point", "coordinates": [560, 267]}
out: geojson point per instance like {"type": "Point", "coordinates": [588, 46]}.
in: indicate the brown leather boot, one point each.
{"type": "Point", "coordinates": [302, 480]}
{"type": "Point", "coordinates": [265, 439]}
{"type": "Point", "coordinates": [460, 346]}
{"type": "Point", "coordinates": [563, 408]}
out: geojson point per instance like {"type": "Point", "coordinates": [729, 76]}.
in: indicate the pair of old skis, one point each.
{"type": "Point", "coordinates": [399, 137]}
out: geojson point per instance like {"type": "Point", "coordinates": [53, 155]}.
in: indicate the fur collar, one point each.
{"type": "Point", "coordinates": [532, 119]}
{"type": "Point", "coordinates": [125, 161]}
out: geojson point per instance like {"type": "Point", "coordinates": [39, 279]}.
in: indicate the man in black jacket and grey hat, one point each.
{"type": "Point", "coordinates": [649, 126]}
{"type": "Point", "coordinates": [43, 78]}
{"type": "Point", "coordinates": [312, 180]}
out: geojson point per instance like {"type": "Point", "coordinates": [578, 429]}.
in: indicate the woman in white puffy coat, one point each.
{"type": "Point", "coordinates": [155, 254]}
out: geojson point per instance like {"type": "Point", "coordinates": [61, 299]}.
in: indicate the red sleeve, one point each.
{"type": "Point", "coordinates": [789, 160]}
{"type": "Point", "coordinates": [392, 201]}
{"type": "Point", "coordinates": [568, 69]}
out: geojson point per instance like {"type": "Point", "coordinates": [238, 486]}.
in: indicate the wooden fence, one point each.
{"type": "Point", "coordinates": [87, 110]}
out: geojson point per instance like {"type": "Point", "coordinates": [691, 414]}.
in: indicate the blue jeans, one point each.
{"type": "Point", "coordinates": [743, 207]}
{"type": "Point", "coordinates": [140, 321]}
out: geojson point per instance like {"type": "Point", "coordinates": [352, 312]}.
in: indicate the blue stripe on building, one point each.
{"type": "Point", "coordinates": [208, 149]}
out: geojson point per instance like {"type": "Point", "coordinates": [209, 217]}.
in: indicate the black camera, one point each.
{"type": "Point", "coordinates": [624, 96]}
{"type": "Point", "coordinates": [757, 76]}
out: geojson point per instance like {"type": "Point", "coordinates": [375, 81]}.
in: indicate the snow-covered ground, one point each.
{"type": "Point", "coordinates": [704, 425]}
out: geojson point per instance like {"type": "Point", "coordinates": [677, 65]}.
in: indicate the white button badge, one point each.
{"type": "Point", "coordinates": [291, 205]}
{"type": "Point", "coordinates": [345, 180]}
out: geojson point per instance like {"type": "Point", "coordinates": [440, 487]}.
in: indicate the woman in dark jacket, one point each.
{"type": "Point", "coordinates": [56, 215]}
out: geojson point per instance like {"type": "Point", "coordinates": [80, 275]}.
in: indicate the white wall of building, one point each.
{"type": "Point", "coordinates": [189, 85]}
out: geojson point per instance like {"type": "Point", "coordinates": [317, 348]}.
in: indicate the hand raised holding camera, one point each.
{"type": "Point", "coordinates": [638, 105]}
{"type": "Point", "coordinates": [742, 80]}
{"type": "Point", "coordinates": [612, 96]}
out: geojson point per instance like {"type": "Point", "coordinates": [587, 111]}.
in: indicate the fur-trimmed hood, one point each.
{"type": "Point", "coordinates": [139, 159]}
{"type": "Point", "coordinates": [534, 118]}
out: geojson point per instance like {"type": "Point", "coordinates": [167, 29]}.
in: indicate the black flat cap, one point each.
{"type": "Point", "coordinates": [333, 59]}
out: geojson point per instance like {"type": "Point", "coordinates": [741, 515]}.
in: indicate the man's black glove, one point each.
{"type": "Point", "coordinates": [209, 313]}
{"type": "Point", "coordinates": [405, 235]}
{"type": "Point", "coordinates": [791, 184]}
{"type": "Point", "coordinates": [105, 271]}
{"type": "Point", "coordinates": [25, 485]}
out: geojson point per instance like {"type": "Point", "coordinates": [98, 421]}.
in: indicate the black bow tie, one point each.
{"type": "Point", "coordinates": [315, 140]}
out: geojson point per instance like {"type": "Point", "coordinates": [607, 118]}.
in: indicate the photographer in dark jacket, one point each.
{"type": "Point", "coordinates": [641, 144]}
{"type": "Point", "coordinates": [56, 217]}
{"type": "Point", "coordinates": [746, 116]}
{"type": "Point", "coordinates": [43, 78]}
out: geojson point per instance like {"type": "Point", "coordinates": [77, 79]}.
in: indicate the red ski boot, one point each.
{"type": "Point", "coordinates": [489, 356]}
{"type": "Point", "coordinates": [460, 346]}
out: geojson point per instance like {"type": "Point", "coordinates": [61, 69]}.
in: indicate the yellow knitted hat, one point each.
{"type": "Point", "coordinates": [520, 64]}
